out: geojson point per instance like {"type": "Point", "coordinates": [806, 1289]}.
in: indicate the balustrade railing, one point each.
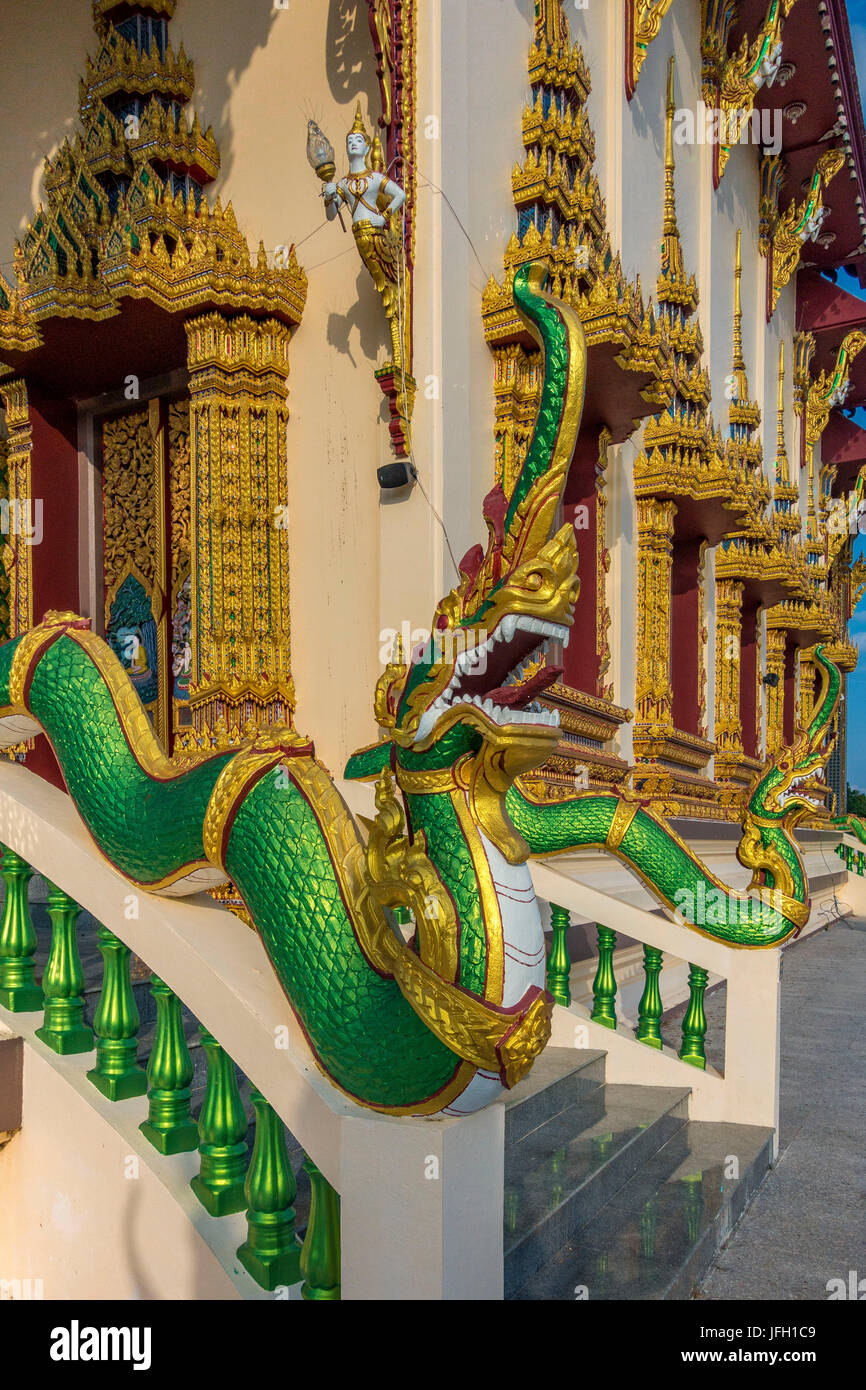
{"type": "Point", "coordinates": [604, 989]}
{"type": "Point", "coordinates": [263, 1185]}
{"type": "Point", "coordinates": [649, 967]}
{"type": "Point", "coordinates": [853, 859]}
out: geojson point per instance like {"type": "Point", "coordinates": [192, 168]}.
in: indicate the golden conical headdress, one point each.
{"type": "Point", "coordinates": [359, 128]}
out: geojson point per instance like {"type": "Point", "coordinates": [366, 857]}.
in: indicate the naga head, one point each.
{"type": "Point", "coordinates": [781, 796]}
{"type": "Point", "coordinates": [470, 694]}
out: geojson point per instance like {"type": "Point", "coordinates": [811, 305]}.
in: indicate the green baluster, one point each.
{"type": "Point", "coordinates": [117, 1074]}
{"type": "Point", "coordinates": [270, 1253]}
{"type": "Point", "coordinates": [512, 1209]}
{"type": "Point", "coordinates": [649, 1228]}
{"type": "Point", "coordinates": [557, 1191]}
{"type": "Point", "coordinates": [559, 965]}
{"type": "Point", "coordinates": [604, 984]}
{"type": "Point", "coordinates": [861, 863]}
{"type": "Point", "coordinates": [649, 1010]}
{"type": "Point", "coordinates": [695, 1021]}
{"type": "Point", "coordinates": [222, 1128]}
{"type": "Point", "coordinates": [693, 1188]}
{"type": "Point", "coordinates": [169, 1126]}
{"type": "Point", "coordinates": [601, 1145]}
{"type": "Point", "coordinates": [18, 988]}
{"type": "Point", "coordinates": [320, 1257]}
{"type": "Point", "coordinates": [63, 1028]}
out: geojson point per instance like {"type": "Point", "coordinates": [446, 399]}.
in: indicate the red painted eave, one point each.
{"type": "Point", "coordinates": [810, 40]}
{"type": "Point", "coordinates": [843, 444]}
{"type": "Point", "coordinates": [830, 313]}
{"type": "Point", "coordinates": [823, 307]}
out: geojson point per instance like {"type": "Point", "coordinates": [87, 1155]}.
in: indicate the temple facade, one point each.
{"type": "Point", "coordinates": [158, 284]}
{"type": "Point", "coordinates": [265, 359]}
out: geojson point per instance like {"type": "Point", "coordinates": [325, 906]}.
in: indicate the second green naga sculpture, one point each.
{"type": "Point", "coordinates": [442, 1024]}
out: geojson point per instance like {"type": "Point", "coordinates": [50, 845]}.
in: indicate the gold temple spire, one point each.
{"type": "Point", "coordinates": [744, 414]}
{"type": "Point", "coordinates": [783, 470]}
{"type": "Point", "coordinates": [811, 517]}
{"type": "Point", "coordinates": [739, 360]}
{"type": "Point", "coordinates": [671, 229]}
{"type": "Point", "coordinates": [550, 23]}
{"type": "Point", "coordinates": [674, 286]}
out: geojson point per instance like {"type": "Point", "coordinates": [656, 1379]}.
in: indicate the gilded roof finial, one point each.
{"type": "Point", "coordinates": [551, 26]}
{"type": "Point", "coordinates": [783, 471]}
{"type": "Point", "coordinates": [673, 286]}
{"type": "Point", "coordinates": [739, 360]}
{"type": "Point", "coordinates": [671, 228]}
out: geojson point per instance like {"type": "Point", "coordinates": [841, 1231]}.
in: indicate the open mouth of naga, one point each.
{"type": "Point", "coordinates": [494, 677]}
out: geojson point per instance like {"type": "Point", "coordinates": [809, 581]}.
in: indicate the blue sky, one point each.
{"type": "Point", "coordinates": [857, 682]}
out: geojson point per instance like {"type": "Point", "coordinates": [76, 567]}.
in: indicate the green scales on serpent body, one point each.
{"type": "Point", "coordinates": [441, 1024]}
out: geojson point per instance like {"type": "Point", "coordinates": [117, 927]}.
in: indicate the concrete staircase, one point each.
{"type": "Point", "coordinates": [611, 1191]}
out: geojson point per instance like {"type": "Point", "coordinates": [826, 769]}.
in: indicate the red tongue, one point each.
{"type": "Point", "coordinates": [508, 696]}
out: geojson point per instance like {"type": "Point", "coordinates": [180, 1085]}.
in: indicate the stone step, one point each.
{"type": "Point", "coordinates": [657, 1236]}
{"type": "Point", "coordinates": [560, 1077]}
{"type": "Point", "coordinates": [564, 1171]}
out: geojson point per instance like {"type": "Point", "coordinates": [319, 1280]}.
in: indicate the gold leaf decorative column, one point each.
{"type": "Point", "coordinates": [776, 646]}
{"type": "Point", "coordinates": [729, 618]}
{"type": "Point", "coordinates": [602, 562]}
{"type": "Point", "coordinates": [703, 637]}
{"type": "Point", "coordinates": [653, 694]}
{"type": "Point", "coordinates": [16, 553]}
{"type": "Point", "coordinates": [808, 674]}
{"type": "Point", "coordinates": [239, 542]}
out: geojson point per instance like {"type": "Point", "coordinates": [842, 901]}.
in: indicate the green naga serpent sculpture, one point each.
{"type": "Point", "coordinates": [440, 1024]}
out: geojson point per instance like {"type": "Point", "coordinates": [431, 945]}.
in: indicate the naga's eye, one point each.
{"type": "Point", "coordinates": [534, 581]}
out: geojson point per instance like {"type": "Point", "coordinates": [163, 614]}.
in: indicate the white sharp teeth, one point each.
{"type": "Point", "coordinates": [509, 626]}
{"type": "Point", "coordinates": [487, 707]}
{"type": "Point", "coordinates": [567, 637]}
{"type": "Point", "coordinates": [428, 719]}
{"type": "Point", "coordinates": [540, 628]}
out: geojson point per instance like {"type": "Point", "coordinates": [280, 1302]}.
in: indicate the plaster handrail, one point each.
{"type": "Point", "coordinates": [748, 1090]}
{"type": "Point", "coordinates": [399, 1232]}
{"type": "Point", "coordinates": [206, 955]}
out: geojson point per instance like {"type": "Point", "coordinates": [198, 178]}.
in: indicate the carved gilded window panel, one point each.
{"type": "Point", "coordinates": [240, 677]}
{"type": "Point", "coordinates": [17, 555]}
{"type": "Point", "coordinates": [6, 552]}
{"type": "Point", "coordinates": [146, 557]}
